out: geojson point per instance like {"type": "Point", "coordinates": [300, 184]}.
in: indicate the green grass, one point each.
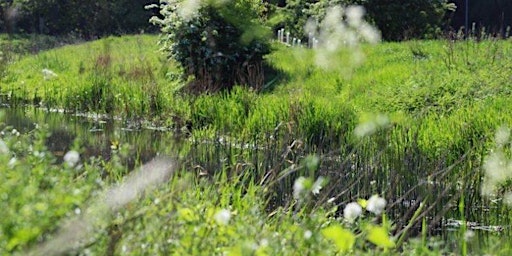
{"type": "Point", "coordinates": [443, 102]}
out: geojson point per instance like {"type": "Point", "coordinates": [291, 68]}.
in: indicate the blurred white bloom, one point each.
{"type": "Point", "coordinates": [376, 204]}
{"type": "Point", "coordinates": [308, 234]}
{"type": "Point", "coordinates": [317, 186]}
{"type": "Point", "coordinates": [334, 34]}
{"type": "Point", "coordinates": [468, 235]}
{"type": "Point", "coordinates": [354, 15]}
{"type": "Point", "coordinates": [502, 136]}
{"type": "Point", "coordinates": [352, 211]}
{"type": "Point", "coordinates": [298, 187]}
{"type": "Point", "coordinates": [369, 127]}
{"type": "Point", "coordinates": [222, 217]}
{"type": "Point", "coordinates": [12, 162]}
{"type": "Point", "coordinates": [189, 9]}
{"type": "Point", "coordinates": [15, 132]}
{"type": "Point", "coordinates": [365, 129]}
{"type": "Point", "coordinates": [369, 33]}
{"type": "Point", "coordinates": [48, 74]}
{"type": "Point", "coordinates": [496, 168]}
{"type": "Point", "coordinates": [71, 158]}
{"type": "Point", "coordinates": [382, 120]}
{"type": "Point", "coordinates": [507, 198]}
{"type": "Point", "coordinates": [3, 147]}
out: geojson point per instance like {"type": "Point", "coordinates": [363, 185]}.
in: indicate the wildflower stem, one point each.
{"type": "Point", "coordinates": [403, 232]}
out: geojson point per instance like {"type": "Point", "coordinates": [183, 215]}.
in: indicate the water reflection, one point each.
{"type": "Point", "coordinates": [397, 170]}
{"type": "Point", "coordinates": [97, 137]}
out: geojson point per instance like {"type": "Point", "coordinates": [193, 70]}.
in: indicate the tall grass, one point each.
{"type": "Point", "coordinates": [441, 116]}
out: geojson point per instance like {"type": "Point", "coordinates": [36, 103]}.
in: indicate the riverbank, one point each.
{"type": "Point", "coordinates": [413, 123]}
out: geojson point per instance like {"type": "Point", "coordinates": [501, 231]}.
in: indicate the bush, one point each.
{"type": "Point", "coordinates": [217, 44]}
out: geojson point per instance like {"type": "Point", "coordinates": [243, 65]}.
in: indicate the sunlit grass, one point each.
{"type": "Point", "coordinates": [442, 101]}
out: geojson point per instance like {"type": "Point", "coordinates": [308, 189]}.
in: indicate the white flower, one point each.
{"type": "Point", "coordinates": [371, 126]}
{"type": "Point", "coordinates": [468, 235]}
{"type": "Point", "coordinates": [3, 147]}
{"type": "Point", "coordinates": [71, 158]}
{"type": "Point", "coordinates": [502, 136]}
{"type": "Point", "coordinates": [48, 74]}
{"type": "Point", "coordinates": [222, 217]}
{"type": "Point", "coordinates": [354, 15]}
{"type": "Point", "coordinates": [12, 162]}
{"type": "Point", "coordinates": [317, 186]}
{"type": "Point", "coordinates": [298, 187]}
{"type": "Point", "coordinates": [189, 9]}
{"type": "Point", "coordinates": [365, 129]}
{"type": "Point", "coordinates": [507, 198]}
{"type": "Point", "coordinates": [15, 132]}
{"type": "Point", "coordinates": [308, 234]}
{"type": "Point", "coordinates": [376, 204]}
{"type": "Point", "coordinates": [352, 211]}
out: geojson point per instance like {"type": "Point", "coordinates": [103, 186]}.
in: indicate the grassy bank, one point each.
{"type": "Point", "coordinates": [438, 86]}
{"type": "Point", "coordinates": [412, 123]}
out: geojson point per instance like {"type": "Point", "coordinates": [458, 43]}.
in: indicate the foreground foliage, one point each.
{"type": "Point", "coordinates": [186, 214]}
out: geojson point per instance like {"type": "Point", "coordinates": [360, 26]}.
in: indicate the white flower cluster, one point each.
{"type": "Point", "coordinates": [375, 205]}
{"type": "Point", "coordinates": [303, 185]}
{"type": "Point", "coordinates": [222, 217]}
{"type": "Point", "coordinates": [335, 33]}
{"type": "Point", "coordinates": [71, 158]}
{"type": "Point", "coordinates": [4, 149]}
{"type": "Point", "coordinates": [48, 74]}
{"type": "Point", "coordinates": [498, 167]}
{"type": "Point", "coordinates": [371, 126]}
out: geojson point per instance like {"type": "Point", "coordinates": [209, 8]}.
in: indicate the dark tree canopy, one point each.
{"type": "Point", "coordinates": [86, 18]}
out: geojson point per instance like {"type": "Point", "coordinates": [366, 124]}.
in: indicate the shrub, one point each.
{"type": "Point", "coordinates": [219, 44]}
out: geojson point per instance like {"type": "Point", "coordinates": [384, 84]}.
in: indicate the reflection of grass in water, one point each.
{"type": "Point", "coordinates": [231, 175]}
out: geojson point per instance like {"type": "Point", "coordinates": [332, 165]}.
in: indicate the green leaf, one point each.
{"type": "Point", "coordinates": [362, 202]}
{"type": "Point", "coordinates": [186, 214]}
{"type": "Point", "coordinates": [380, 237]}
{"type": "Point", "coordinates": [312, 162]}
{"type": "Point", "coordinates": [344, 239]}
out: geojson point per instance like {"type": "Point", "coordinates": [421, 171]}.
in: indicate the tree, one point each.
{"type": "Point", "coordinates": [86, 18]}
{"type": "Point", "coordinates": [406, 19]}
{"type": "Point", "coordinates": [397, 19]}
